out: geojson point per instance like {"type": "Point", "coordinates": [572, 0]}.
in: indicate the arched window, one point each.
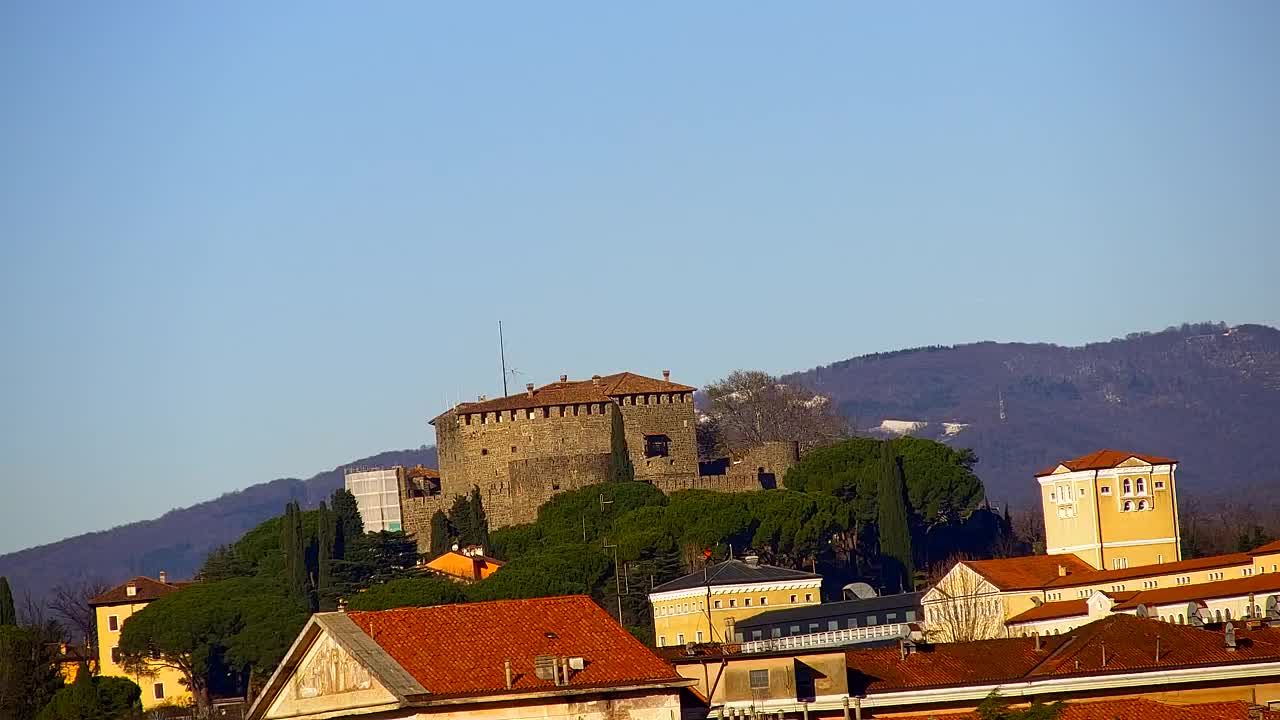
{"type": "Point", "coordinates": [1142, 486]}
{"type": "Point", "coordinates": [1142, 504]}
{"type": "Point", "coordinates": [1218, 615]}
{"type": "Point", "coordinates": [1128, 486]}
{"type": "Point", "coordinates": [1128, 505]}
{"type": "Point", "coordinates": [1228, 614]}
{"type": "Point", "coordinates": [1181, 621]}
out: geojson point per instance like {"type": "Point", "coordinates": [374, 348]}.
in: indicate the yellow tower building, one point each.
{"type": "Point", "coordinates": [160, 685]}
{"type": "Point", "coordinates": [1113, 509]}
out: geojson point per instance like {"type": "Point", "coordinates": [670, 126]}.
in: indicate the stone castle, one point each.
{"type": "Point", "coordinates": [522, 449]}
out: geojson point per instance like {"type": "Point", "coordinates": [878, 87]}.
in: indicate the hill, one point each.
{"type": "Point", "coordinates": [179, 540]}
{"type": "Point", "coordinates": [1206, 394]}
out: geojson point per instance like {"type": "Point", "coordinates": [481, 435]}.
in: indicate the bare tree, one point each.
{"type": "Point", "coordinates": [961, 606]}
{"type": "Point", "coordinates": [70, 606]}
{"type": "Point", "coordinates": [750, 407]}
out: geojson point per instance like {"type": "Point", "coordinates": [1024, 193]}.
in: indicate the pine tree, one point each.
{"type": "Point", "coordinates": [85, 702]}
{"type": "Point", "coordinates": [440, 534]}
{"type": "Point", "coordinates": [324, 557]}
{"type": "Point", "coordinates": [8, 616]}
{"type": "Point", "coordinates": [895, 533]}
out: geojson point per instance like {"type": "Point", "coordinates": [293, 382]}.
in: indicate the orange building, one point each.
{"type": "Point", "coordinates": [468, 564]}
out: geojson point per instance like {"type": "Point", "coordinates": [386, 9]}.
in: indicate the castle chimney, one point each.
{"type": "Point", "coordinates": [666, 375]}
{"type": "Point", "coordinates": [528, 389]}
{"type": "Point", "coordinates": [564, 378]}
{"type": "Point", "coordinates": [595, 381]}
{"type": "Point", "coordinates": [164, 577]}
{"type": "Point", "coordinates": [481, 398]}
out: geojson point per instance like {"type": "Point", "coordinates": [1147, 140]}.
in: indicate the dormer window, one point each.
{"type": "Point", "coordinates": [131, 590]}
{"type": "Point", "coordinates": [657, 445]}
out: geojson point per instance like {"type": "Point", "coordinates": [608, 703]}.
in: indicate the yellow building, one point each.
{"type": "Point", "coordinates": [704, 605]}
{"type": "Point", "coordinates": [1112, 509]}
{"type": "Point", "coordinates": [160, 686]}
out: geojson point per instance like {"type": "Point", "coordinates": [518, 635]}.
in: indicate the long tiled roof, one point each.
{"type": "Point", "coordinates": [1135, 709]}
{"type": "Point", "coordinates": [1030, 572]}
{"type": "Point", "coordinates": [1271, 547]}
{"type": "Point", "coordinates": [147, 589]}
{"type": "Point", "coordinates": [575, 392]}
{"type": "Point", "coordinates": [1138, 571]}
{"type": "Point", "coordinates": [1261, 585]}
{"type": "Point", "coordinates": [460, 650]}
{"type": "Point", "coordinates": [902, 601]}
{"type": "Point", "coordinates": [734, 572]}
{"type": "Point", "coordinates": [1129, 642]}
{"type": "Point", "coordinates": [1062, 609]}
{"type": "Point", "coordinates": [1105, 460]}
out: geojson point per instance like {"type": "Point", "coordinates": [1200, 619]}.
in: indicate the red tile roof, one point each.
{"type": "Point", "coordinates": [1129, 642]}
{"type": "Point", "coordinates": [1133, 709]}
{"type": "Point", "coordinates": [1105, 460]}
{"type": "Point", "coordinates": [1030, 572]}
{"type": "Point", "coordinates": [418, 471]}
{"type": "Point", "coordinates": [1140, 571]}
{"type": "Point", "coordinates": [1051, 611]}
{"type": "Point", "coordinates": [575, 392]}
{"type": "Point", "coordinates": [1263, 584]}
{"type": "Point", "coordinates": [148, 589]}
{"type": "Point", "coordinates": [1271, 547]}
{"type": "Point", "coordinates": [460, 649]}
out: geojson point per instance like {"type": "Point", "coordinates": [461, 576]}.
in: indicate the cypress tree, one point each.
{"type": "Point", "coordinates": [8, 616]}
{"type": "Point", "coordinates": [324, 555]}
{"type": "Point", "coordinates": [895, 533]}
{"type": "Point", "coordinates": [480, 522]}
{"type": "Point", "coordinates": [440, 541]}
{"type": "Point", "coordinates": [294, 550]}
{"type": "Point", "coordinates": [349, 525]}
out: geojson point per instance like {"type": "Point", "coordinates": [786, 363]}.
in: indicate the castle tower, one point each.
{"type": "Point", "coordinates": [1113, 509]}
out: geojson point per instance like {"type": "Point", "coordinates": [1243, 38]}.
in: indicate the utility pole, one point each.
{"type": "Point", "coordinates": [616, 575]}
{"type": "Point", "coordinates": [502, 353]}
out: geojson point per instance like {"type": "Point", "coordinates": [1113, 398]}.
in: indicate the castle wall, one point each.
{"type": "Point", "coordinates": [669, 414]}
{"type": "Point", "coordinates": [478, 449]}
{"type": "Point", "coordinates": [533, 481]}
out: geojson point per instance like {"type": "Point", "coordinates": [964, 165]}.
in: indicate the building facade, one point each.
{"type": "Point", "coordinates": [1112, 509]}
{"type": "Point", "coordinates": [377, 493]}
{"type": "Point", "coordinates": [706, 605]}
{"type": "Point", "coordinates": [543, 658]}
{"type": "Point", "coordinates": [160, 685]}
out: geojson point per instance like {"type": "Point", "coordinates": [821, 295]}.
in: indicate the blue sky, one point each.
{"type": "Point", "coordinates": [241, 241]}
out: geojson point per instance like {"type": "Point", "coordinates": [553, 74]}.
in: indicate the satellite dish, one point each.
{"type": "Point", "coordinates": [1273, 607]}
{"type": "Point", "coordinates": [1142, 612]}
{"type": "Point", "coordinates": [859, 591]}
{"type": "Point", "coordinates": [1193, 615]}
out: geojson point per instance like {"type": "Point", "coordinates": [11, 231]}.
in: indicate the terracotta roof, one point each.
{"type": "Point", "coordinates": [148, 589]}
{"type": "Point", "coordinates": [1263, 584]}
{"type": "Point", "coordinates": [1134, 709]}
{"type": "Point", "coordinates": [460, 649]}
{"type": "Point", "coordinates": [574, 392]}
{"type": "Point", "coordinates": [734, 572]}
{"type": "Point", "coordinates": [1105, 460]}
{"type": "Point", "coordinates": [1029, 572]}
{"type": "Point", "coordinates": [1051, 611]}
{"type": "Point", "coordinates": [418, 471]}
{"type": "Point", "coordinates": [1129, 642]}
{"type": "Point", "coordinates": [1139, 571]}
{"type": "Point", "coordinates": [1271, 547]}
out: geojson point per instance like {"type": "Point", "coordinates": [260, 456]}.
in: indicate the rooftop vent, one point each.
{"type": "Point", "coordinates": [528, 389]}
{"type": "Point", "coordinates": [544, 667]}
{"type": "Point", "coordinates": [752, 560]}
{"type": "Point", "coordinates": [666, 375]}
{"type": "Point", "coordinates": [595, 381]}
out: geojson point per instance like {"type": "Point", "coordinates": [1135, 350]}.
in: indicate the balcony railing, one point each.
{"type": "Point", "coordinates": [830, 638]}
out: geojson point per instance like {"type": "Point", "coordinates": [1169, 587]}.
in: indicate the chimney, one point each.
{"type": "Point", "coordinates": [1039, 642]}
{"type": "Point", "coordinates": [528, 389]}
{"type": "Point", "coordinates": [164, 577]}
{"type": "Point", "coordinates": [1062, 571]}
{"type": "Point", "coordinates": [753, 560]}
{"type": "Point", "coordinates": [506, 667]}
{"type": "Point", "coordinates": [564, 378]}
{"type": "Point", "coordinates": [666, 376]}
{"type": "Point", "coordinates": [481, 398]}
{"type": "Point", "coordinates": [1229, 637]}
{"type": "Point", "coordinates": [595, 381]}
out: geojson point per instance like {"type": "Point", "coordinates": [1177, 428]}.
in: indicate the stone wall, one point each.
{"type": "Point", "coordinates": [669, 414]}
{"type": "Point", "coordinates": [533, 481]}
{"type": "Point", "coordinates": [419, 500]}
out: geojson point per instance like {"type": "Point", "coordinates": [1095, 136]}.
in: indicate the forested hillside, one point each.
{"type": "Point", "coordinates": [1206, 394]}
{"type": "Point", "coordinates": [179, 540]}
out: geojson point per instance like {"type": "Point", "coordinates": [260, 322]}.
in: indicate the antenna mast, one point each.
{"type": "Point", "coordinates": [502, 353]}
